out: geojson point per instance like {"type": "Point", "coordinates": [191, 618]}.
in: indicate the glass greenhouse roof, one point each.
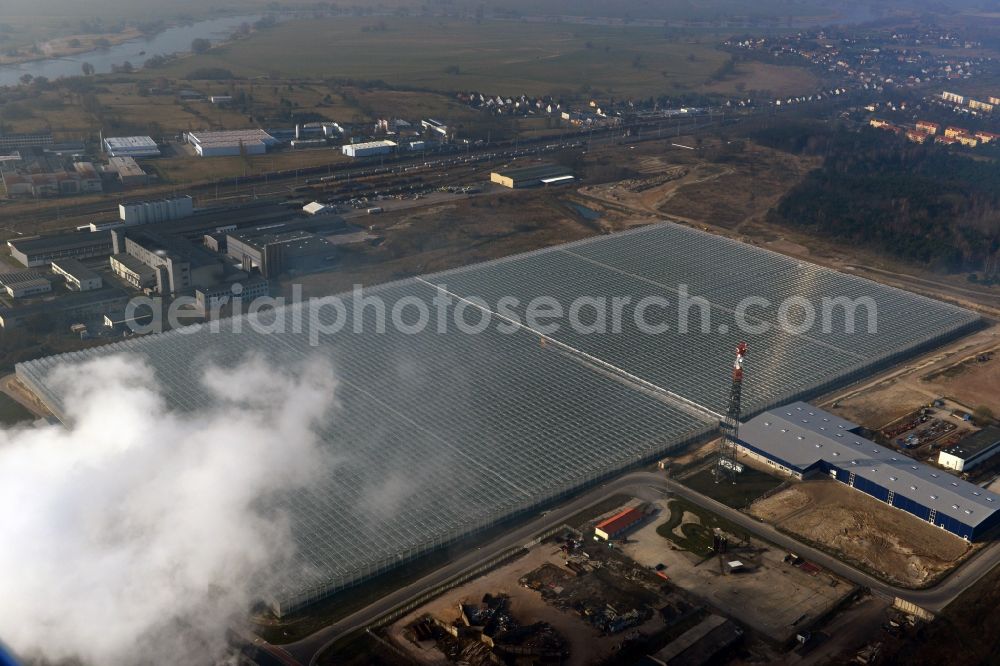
{"type": "Point", "coordinates": [468, 430]}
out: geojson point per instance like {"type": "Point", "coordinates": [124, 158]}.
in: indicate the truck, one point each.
{"type": "Point", "coordinates": [375, 211]}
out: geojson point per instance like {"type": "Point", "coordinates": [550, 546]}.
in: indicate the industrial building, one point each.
{"type": "Point", "coordinates": [482, 428]}
{"type": "Point", "coordinates": [16, 277]}
{"type": "Point", "coordinates": [230, 142]}
{"type": "Point", "coordinates": [78, 178]}
{"type": "Point", "coordinates": [368, 149]}
{"type": "Point", "coordinates": [617, 525]}
{"type": "Point", "coordinates": [27, 288]}
{"type": "Point", "coordinates": [133, 271]}
{"type": "Point", "coordinates": [43, 250]}
{"type": "Point", "coordinates": [972, 451]}
{"type": "Point", "coordinates": [802, 440]}
{"type": "Point", "coordinates": [435, 127]}
{"type": "Point", "coordinates": [278, 250]}
{"type": "Point", "coordinates": [151, 212]}
{"type": "Point", "coordinates": [532, 176]}
{"type": "Point", "coordinates": [177, 264]}
{"type": "Point", "coordinates": [131, 146]}
{"type": "Point", "coordinates": [11, 142]}
{"type": "Point", "coordinates": [67, 309]}
{"type": "Point", "coordinates": [78, 276]}
{"type": "Point", "coordinates": [212, 299]}
{"type": "Point", "coordinates": [130, 174]}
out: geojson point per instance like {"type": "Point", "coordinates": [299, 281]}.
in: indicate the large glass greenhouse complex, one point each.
{"type": "Point", "coordinates": [479, 428]}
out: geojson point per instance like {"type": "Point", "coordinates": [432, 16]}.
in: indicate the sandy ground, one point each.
{"type": "Point", "coordinates": [861, 529]}
{"type": "Point", "coordinates": [883, 403]}
{"type": "Point", "coordinates": [772, 597]}
{"type": "Point", "coordinates": [946, 372]}
{"type": "Point", "coordinates": [587, 645]}
{"type": "Point", "coordinates": [692, 455]}
{"type": "Point", "coordinates": [971, 383]}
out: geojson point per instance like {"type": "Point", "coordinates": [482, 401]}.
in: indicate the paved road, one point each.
{"type": "Point", "coordinates": [648, 485]}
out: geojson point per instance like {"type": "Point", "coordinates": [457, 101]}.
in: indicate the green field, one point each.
{"type": "Point", "coordinates": [505, 57]}
{"type": "Point", "coordinates": [750, 484]}
{"type": "Point", "coordinates": [11, 411]}
{"type": "Point", "coordinates": [697, 538]}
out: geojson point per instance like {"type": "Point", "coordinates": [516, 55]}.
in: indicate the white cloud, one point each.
{"type": "Point", "coordinates": [136, 533]}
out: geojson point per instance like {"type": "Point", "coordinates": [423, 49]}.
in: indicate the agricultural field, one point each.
{"type": "Point", "coordinates": [450, 55]}
{"type": "Point", "coordinates": [780, 80]}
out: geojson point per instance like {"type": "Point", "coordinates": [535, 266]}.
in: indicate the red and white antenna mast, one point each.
{"type": "Point", "coordinates": [727, 467]}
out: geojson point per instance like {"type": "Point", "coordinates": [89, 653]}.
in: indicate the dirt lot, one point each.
{"type": "Point", "coordinates": [883, 403]}
{"type": "Point", "coordinates": [721, 184]}
{"type": "Point", "coordinates": [862, 530]}
{"type": "Point", "coordinates": [587, 645]}
{"type": "Point", "coordinates": [948, 372]}
{"type": "Point", "coordinates": [775, 598]}
{"type": "Point", "coordinates": [970, 382]}
{"type": "Point", "coordinates": [457, 233]}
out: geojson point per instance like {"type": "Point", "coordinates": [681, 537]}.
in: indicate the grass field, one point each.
{"type": "Point", "coordinates": [697, 537]}
{"type": "Point", "coordinates": [450, 55]}
{"type": "Point", "coordinates": [750, 485]}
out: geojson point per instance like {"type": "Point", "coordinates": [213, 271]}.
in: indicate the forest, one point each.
{"type": "Point", "coordinates": [926, 204]}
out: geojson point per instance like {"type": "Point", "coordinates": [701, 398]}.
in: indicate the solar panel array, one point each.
{"type": "Point", "coordinates": [440, 435]}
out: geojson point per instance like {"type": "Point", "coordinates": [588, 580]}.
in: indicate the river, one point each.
{"type": "Point", "coordinates": [172, 40]}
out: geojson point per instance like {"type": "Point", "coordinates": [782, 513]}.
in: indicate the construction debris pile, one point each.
{"type": "Point", "coordinates": [487, 633]}
{"type": "Point", "coordinates": [609, 591]}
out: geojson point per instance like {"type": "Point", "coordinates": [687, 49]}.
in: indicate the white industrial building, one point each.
{"type": "Point", "coordinates": [78, 276]}
{"type": "Point", "coordinates": [149, 212]}
{"type": "Point", "coordinates": [131, 146]}
{"type": "Point", "coordinates": [317, 208]}
{"type": "Point", "coordinates": [230, 142]}
{"type": "Point", "coordinates": [435, 126]}
{"type": "Point", "coordinates": [972, 451]}
{"type": "Point", "coordinates": [368, 149]}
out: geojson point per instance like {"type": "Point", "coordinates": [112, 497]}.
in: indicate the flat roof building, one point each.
{"type": "Point", "coordinates": [78, 276]}
{"type": "Point", "coordinates": [280, 251]}
{"type": "Point", "coordinates": [133, 271]}
{"type": "Point", "coordinates": [43, 250]}
{"type": "Point", "coordinates": [541, 174]}
{"type": "Point", "coordinates": [131, 146]}
{"type": "Point", "coordinates": [66, 308]}
{"type": "Point", "coordinates": [800, 439]}
{"type": "Point", "coordinates": [9, 142]}
{"type": "Point", "coordinates": [230, 142]}
{"type": "Point", "coordinates": [128, 170]}
{"type": "Point", "coordinates": [151, 212]}
{"type": "Point", "coordinates": [213, 300]}
{"type": "Point", "coordinates": [177, 263]}
{"type": "Point", "coordinates": [368, 148]}
{"type": "Point", "coordinates": [971, 451]}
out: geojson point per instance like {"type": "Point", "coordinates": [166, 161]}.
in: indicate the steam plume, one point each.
{"type": "Point", "coordinates": [136, 533]}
